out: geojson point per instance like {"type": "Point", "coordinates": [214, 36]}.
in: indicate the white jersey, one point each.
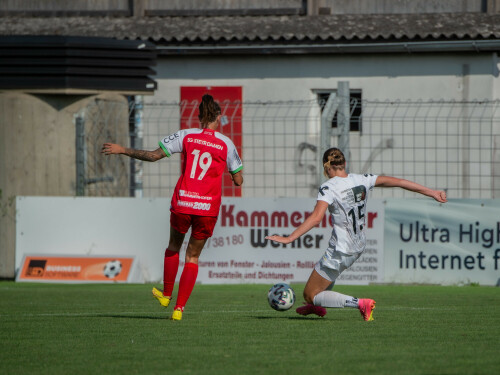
{"type": "Point", "coordinates": [346, 198]}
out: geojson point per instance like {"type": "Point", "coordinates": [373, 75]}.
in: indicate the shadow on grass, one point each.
{"type": "Point", "coordinates": [123, 316]}
{"type": "Point", "coordinates": [137, 317]}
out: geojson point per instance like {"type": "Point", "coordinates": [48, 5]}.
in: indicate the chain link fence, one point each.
{"type": "Point", "coordinates": [446, 145]}
{"type": "Point", "coordinates": [441, 144]}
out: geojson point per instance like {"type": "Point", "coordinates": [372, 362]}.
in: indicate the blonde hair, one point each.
{"type": "Point", "coordinates": [333, 158]}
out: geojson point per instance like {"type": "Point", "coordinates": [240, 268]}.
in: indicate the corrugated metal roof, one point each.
{"type": "Point", "coordinates": [255, 30]}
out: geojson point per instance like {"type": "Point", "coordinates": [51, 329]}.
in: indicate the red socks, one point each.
{"type": "Point", "coordinates": [186, 284]}
{"type": "Point", "coordinates": [187, 281]}
{"type": "Point", "coordinates": [170, 267]}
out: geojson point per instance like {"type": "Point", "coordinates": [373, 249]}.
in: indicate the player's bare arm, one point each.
{"type": "Point", "coordinates": [313, 220]}
{"type": "Point", "coordinates": [113, 148]}
{"type": "Point", "coordinates": [388, 181]}
{"type": "Point", "coordinates": [237, 178]}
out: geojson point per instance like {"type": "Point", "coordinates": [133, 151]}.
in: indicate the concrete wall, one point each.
{"type": "Point", "coordinates": [294, 77]}
{"type": "Point", "coordinates": [37, 155]}
{"type": "Point", "coordinates": [386, 78]}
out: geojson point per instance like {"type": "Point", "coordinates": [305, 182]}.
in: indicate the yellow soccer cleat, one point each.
{"type": "Point", "coordinates": [164, 301]}
{"type": "Point", "coordinates": [176, 315]}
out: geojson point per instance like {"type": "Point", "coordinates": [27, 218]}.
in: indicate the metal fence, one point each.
{"type": "Point", "coordinates": [445, 145]}
{"type": "Point", "coordinates": [441, 144]}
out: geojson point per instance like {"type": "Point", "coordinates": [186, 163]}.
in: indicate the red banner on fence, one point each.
{"type": "Point", "coordinates": [229, 99]}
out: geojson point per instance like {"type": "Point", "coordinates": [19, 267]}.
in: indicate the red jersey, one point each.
{"type": "Point", "coordinates": [206, 154]}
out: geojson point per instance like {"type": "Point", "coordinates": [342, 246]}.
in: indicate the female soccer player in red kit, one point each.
{"type": "Point", "coordinates": [197, 196]}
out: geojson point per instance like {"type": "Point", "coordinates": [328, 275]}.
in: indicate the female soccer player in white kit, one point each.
{"type": "Point", "coordinates": [345, 196]}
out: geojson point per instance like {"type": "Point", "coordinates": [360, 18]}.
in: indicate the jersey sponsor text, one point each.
{"type": "Point", "coordinates": [204, 143]}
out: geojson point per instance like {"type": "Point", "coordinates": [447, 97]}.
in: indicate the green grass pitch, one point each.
{"type": "Point", "coordinates": [230, 329]}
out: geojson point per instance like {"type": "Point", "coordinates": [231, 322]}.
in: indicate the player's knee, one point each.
{"type": "Point", "coordinates": [192, 257]}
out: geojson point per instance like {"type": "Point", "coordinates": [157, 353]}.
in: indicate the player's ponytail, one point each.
{"type": "Point", "coordinates": [333, 158]}
{"type": "Point", "coordinates": [209, 110]}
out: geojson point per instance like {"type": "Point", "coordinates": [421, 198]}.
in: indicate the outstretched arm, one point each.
{"type": "Point", "coordinates": [113, 148]}
{"type": "Point", "coordinates": [387, 181]}
{"type": "Point", "coordinates": [311, 221]}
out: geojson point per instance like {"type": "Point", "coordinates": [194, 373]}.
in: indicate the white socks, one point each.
{"type": "Point", "coordinates": [334, 299]}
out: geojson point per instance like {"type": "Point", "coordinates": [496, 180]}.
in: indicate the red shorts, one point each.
{"type": "Point", "coordinates": [202, 227]}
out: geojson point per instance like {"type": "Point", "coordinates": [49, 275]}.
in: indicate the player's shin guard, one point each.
{"type": "Point", "coordinates": [170, 267]}
{"type": "Point", "coordinates": [186, 284]}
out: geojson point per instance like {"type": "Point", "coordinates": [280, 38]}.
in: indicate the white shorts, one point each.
{"type": "Point", "coordinates": [333, 263]}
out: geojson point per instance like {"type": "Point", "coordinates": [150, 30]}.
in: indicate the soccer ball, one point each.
{"type": "Point", "coordinates": [112, 268]}
{"type": "Point", "coordinates": [281, 297]}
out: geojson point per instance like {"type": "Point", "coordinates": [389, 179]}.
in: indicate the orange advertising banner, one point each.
{"type": "Point", "coordinates": [75, 269]}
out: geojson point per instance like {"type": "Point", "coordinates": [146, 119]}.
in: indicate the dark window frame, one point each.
{"type": "Point", "coordinates": [355, 107]}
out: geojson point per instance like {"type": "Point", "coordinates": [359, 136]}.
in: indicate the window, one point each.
{"type": "Point", "coordinates": [355, 107]}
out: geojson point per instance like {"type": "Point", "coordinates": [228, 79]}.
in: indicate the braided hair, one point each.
{"type": "Point", "coordinates": [209, 110]}
{"type": "Point", "coordinates": [333, 158]}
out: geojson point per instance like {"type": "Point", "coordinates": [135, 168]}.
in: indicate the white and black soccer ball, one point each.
{"type": "Point", "coordinates": [281, 297]}
{"type": "Point", "coordinates": [112, 269]}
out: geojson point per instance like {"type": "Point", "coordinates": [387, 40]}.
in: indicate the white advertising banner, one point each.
{"type": "Point", "coordinates": [453, 243]}
{"type": "Point", "coordinates": [423, 241]}
{"type": "Point", "coordinates": [239, 253]}
{"type": "Point", "coordinates": [94, 227]}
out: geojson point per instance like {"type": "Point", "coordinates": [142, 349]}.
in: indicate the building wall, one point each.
{"type": "Point", "coordinates": [400, 6]}
{"type": "Point", "coordinates": [294, 77]}
{"type": "Point", "coordinates": [59, 5]}
{"type": "Point", "coordinates": [199, 6]}
{"type": "Point", "coordinates": [435, 144]}
{"type": "Point", "coordinates": [37, 155]}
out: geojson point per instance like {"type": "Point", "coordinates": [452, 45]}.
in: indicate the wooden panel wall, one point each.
{"type": "Point", "coordinates": [400, 6]}
{"type": "Point", "coordinates": [58, 5]}
{"type": "Point", "coordinates": [153, 7]}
